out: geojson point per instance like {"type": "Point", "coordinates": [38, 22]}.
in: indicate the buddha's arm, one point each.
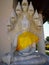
{"type": "Point", "coordinates": [14, 44]}
{"type": "Point", "coordinates": [33, 46]}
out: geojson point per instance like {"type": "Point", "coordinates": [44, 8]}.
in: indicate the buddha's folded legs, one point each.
{"type": "Point", "coordinates": [34, 58]}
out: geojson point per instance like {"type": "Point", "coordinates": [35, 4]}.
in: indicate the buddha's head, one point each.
{"type": "Point", "coordinates": [25, 24]}
{"type": "Point", "coordinates": [18, 9]}
{"type": "Point", "coordinates": [31, 9]}
{"type": "Point", "coordinates": [24, 5]}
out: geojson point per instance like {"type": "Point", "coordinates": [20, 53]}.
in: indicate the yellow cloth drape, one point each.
{"type": "Point", "coordinates": [25, 40]}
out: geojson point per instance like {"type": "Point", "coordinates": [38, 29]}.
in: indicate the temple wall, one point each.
{"type": "Point", "coordinates": [5, 10]}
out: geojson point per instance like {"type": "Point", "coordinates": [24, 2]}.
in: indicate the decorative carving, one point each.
{"type": "Point", "coordinates": [35, 19]}
{"type": "Point", "coordinates": [24, 5]}
{"type": "Point", "coordinates": [31, 9]}
{"type": "Point", "coordinates": [12, 22]}
{"type": "Point", "coordinates": [18, 9]}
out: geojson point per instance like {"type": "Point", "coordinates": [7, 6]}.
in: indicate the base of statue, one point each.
{"type": "Point", "coordinates": [31, 59]}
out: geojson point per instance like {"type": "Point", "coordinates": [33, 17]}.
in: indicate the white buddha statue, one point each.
{"type": "Point", "coordinates": [24, 41]}
{"type": "Point", "coordinates": [24, 35]}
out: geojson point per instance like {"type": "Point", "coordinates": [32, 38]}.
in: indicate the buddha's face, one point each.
{"type": "Point", "coordinates": [25, 24]}
{"type": "Point", "coordinates": [25, 28]}
{"type": "Point", "coordinates": [24, 6]}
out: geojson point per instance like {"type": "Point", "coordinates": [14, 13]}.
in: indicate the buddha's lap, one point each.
{"type": "Point", "coordinates": [25, 40]}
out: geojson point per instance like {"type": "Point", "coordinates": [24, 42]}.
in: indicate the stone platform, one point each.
{"type": "Point", "coordinates": [31, 59]}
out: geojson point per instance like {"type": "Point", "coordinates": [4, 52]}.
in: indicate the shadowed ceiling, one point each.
{"type": "Point", "coordinates": [42, 6]}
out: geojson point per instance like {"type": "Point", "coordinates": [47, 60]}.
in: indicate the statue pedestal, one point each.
{"type": "Point", "coordinates": [33, 59]}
